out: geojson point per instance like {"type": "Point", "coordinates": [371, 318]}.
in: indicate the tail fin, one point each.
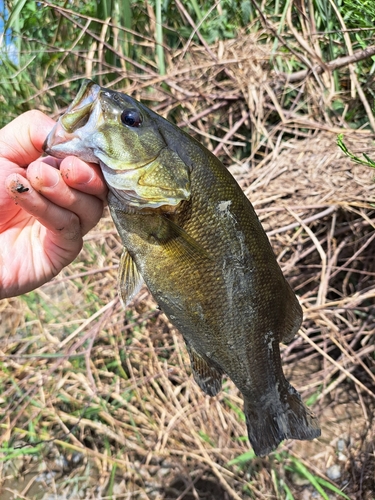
{"type": "Point", "coordinates": [283, 416]}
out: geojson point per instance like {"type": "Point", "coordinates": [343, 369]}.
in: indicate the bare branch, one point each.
{"type": "Point", "coordinates": [340, 62]}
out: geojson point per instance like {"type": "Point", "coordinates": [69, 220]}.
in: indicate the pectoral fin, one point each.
{"type": "Point", "coordinates": [129, 279]}
{"type": "Point", "coordinates": [177, 242]}
{"type": "Point", "coordinates": [205, 374]}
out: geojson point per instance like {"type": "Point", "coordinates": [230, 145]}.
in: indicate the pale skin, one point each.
{"type": "Point", "coordinates": [46, 206]}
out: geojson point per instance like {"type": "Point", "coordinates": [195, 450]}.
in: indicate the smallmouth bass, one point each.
{"type": "Point", "coordinates": [191, 234]}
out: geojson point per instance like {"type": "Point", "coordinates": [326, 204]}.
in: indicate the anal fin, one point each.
{"type": "Point", "coordinates": [129, 279]}
{"type": "Point", "coordinates": [207, 376]}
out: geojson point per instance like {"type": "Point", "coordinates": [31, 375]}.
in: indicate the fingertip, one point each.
{"type": "Point", "coordinates": [50, 160]}
{"type": "Point", "coordinates": [85, 177]}
{"type": "Point", "coordinates": [17, 185]}
{"type": "Point", "coordinates": [43, 174]}
{"type": "Point", "coordinates": [22, 139]}
{"type": "Point", "coordinates": [76, 172]}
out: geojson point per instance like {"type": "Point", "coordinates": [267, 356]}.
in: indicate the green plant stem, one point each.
{"type": "Point", "coordinates": [159, 39]}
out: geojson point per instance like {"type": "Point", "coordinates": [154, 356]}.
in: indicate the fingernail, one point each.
{"type": "Point", "coordinates": [17, 184]}
{"type": "Point", "coordinates": [77, 171]}
{"type": "Point", "coordinates": [85, 177]}
{"type": "Point", "coordinates": [50, 177]}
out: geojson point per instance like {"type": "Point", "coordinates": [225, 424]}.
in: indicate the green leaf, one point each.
{"type": "Point", "coordinates": [17, 452]}
{"type": "Point", "coordinates": [288, 493]}
{"type": "Point", "coordinates": [301, 469]}
{"type": "Point", "coordinates": [367, 161]}
{"type": "Point", "coordinates": [316, 481]}
{"type": "Point", "coordinates": [13, 19]}
{"type": "Point", "coordinates": [240, 414]}
{"type": "Point", "coordinates": [242, 459]}
{"type": "Point", "coordinates": [332, 487]}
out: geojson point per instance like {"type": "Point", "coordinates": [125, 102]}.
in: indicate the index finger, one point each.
{"type": "Point", "coordinates": [22, 139]}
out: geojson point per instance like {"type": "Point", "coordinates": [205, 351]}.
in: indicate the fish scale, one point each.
{"type": "Point", "coordinates": [191, 234]}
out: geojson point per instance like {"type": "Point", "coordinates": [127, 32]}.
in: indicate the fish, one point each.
{"type": "Point", "coordinates": [190, 233]}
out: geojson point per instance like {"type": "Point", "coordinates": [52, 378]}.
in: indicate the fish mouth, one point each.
{"type": "Point", "coordinates": [78, 113]}
{"type": "Point", "coordinates": [80, 119]}
{"type": "Point", "coordinates": [75, 133]}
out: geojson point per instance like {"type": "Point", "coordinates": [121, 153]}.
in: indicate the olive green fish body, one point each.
{"type": "Point", "coordinates": [207, 261]}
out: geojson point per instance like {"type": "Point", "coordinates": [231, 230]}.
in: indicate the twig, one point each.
{"type": "Point", "coordinates": [196, 29]}
{"type": "Point", "coordinates": [202, 114]}
{"type": "Point", "coordinates": [338, 63]}
{"type": "Point", "coordinates": [340, 367]}
{"type": "Point", "coordinates": [269, 27]}
{"type": "Point", "coordinates": [320, 215]}
{"type": "Point", "coordinates": [81, 275]}
{"type": "Point", "coordinates": [321, 295]}
{"type": "Point", "coordinates": [230, 133]}
{"type": "Point", "coordinates": [355, 83]}
{"type": "Point", "coordinates": [87, 322]}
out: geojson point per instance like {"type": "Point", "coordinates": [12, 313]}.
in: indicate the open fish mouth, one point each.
{"type": "Point", "coordinates": [77, 131]}
{"type": "Point", "coordinates": [78, 113]}
{"type": "Point", "coordinates": [66, 136]}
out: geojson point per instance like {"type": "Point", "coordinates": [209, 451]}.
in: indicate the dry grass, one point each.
{"type": "Point", "coordinates": [105, 397]}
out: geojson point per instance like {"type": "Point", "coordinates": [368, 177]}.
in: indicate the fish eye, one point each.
{"type": "Point", "coordinates": [131, 118]}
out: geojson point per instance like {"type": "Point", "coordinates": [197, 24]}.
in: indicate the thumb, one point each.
{"type": "Point", "coordinates": [22, 139]}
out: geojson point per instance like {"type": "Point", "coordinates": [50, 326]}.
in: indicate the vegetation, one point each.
{"type": "Point", "coordinates": [97, 401]}
{"type": "Point", "coordinates": [366, 161]}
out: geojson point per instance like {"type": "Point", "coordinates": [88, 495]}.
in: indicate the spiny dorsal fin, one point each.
{"type": "Point", "coordinates": [129, 280]}
{"type": "Point", "coordinates": [205, 374]}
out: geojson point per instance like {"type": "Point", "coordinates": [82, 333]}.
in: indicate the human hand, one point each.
{"type": "Point", "coordinates": [44, 212]}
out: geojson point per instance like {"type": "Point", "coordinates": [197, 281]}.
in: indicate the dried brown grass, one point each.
{"type": "Point", "coordinates": [112, 389]}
